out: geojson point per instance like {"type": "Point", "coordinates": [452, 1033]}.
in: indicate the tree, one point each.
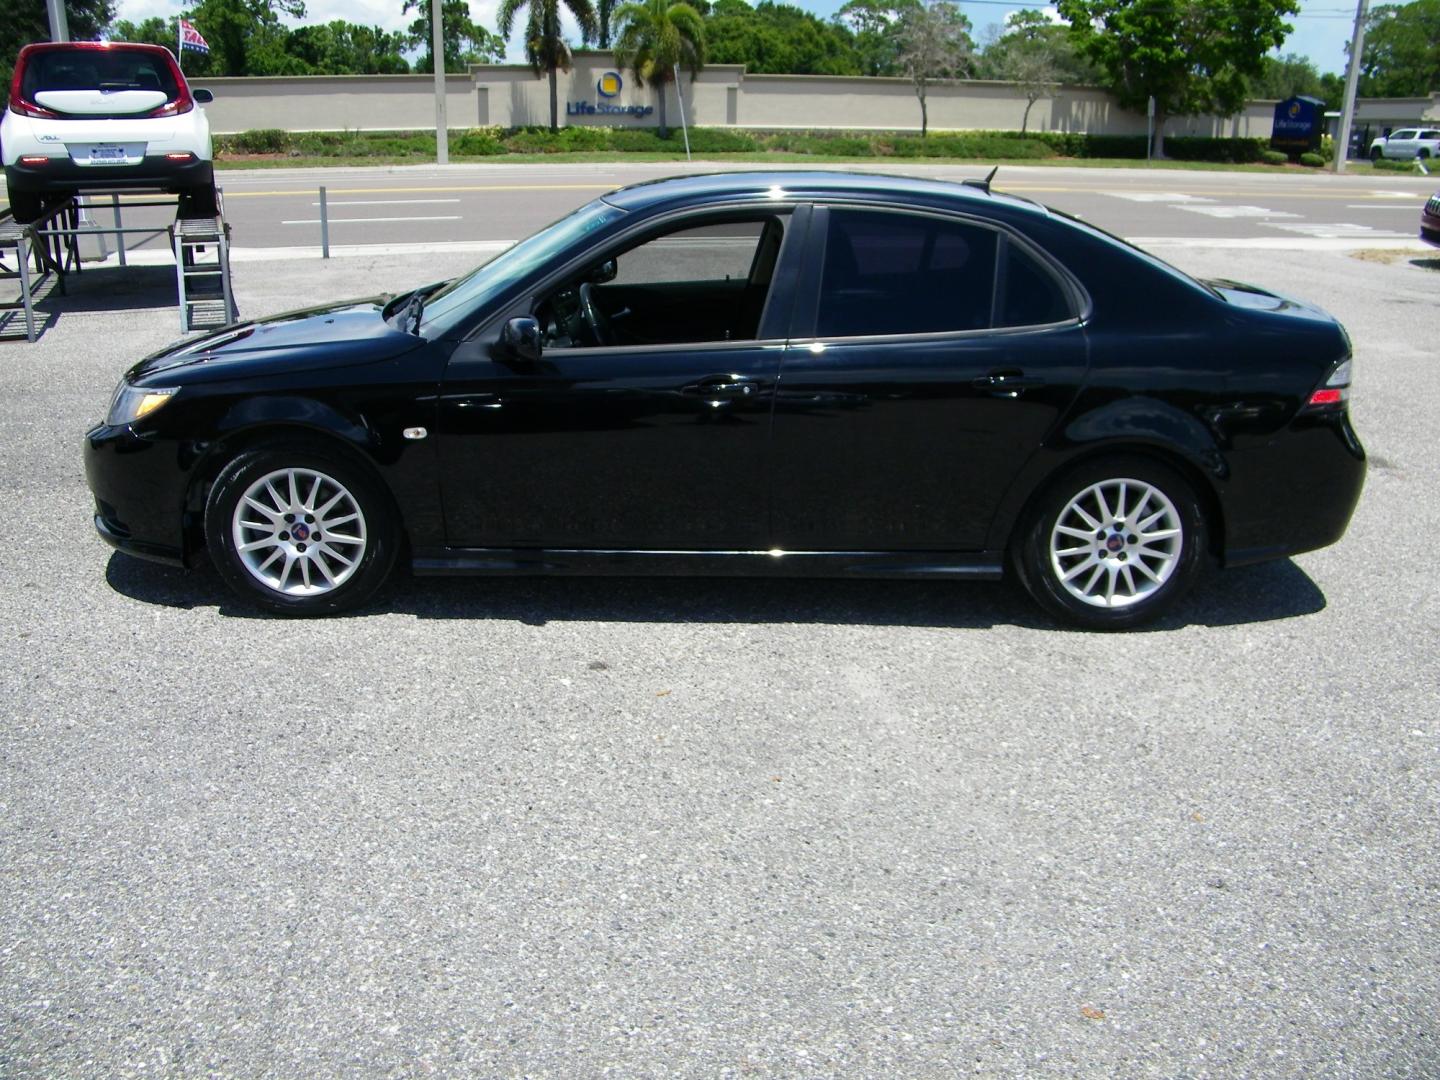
{"type": "Point", "coordinates": [778, 39]}
{"type": "Point", "coordinates": [874, 27]}
{"type": "Point", "coordinates": [653, 38]}
{"type": "Point", "coordinates": [1192, 56]}
{"type": "Point", "coordinates": [1402, 50]}
{"type": "Point", "coordinates": [545, 48]}
{"type": "Point", "coordinates": [1286, 77]}
{"type": "Point", "coordinates": [27, 21]}
{"type": "Point", "coordinates": [1026, 55]}
{"type": "Point", "coordinates": [342, 48]}
{"type": "Point", "coordinates": [245, 37]}
{"type": "Point", "coordinates": [1033, 30]}
{"type": "Point", "coordinates": [465, 41]}
{"type": "Point", "coordinates": [935, 45]}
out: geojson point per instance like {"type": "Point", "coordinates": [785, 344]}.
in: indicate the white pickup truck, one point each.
{"type": "Point", "coordinates": [1406, 143]}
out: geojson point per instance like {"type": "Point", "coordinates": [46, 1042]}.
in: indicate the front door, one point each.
{"type": "Point", "coordinates": [645, 424]}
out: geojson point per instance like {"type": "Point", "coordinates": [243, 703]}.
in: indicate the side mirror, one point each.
{"type": "Point", "coordinates": [520, 338]}
{"type": "Point", "coordinates": [204, 97]}
{"type": "Point", "coordinates": [606, 271]}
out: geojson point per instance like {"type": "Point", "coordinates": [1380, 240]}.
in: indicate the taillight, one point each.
{"type": "Point", "coordinates": [1336, 391]}
{"type": "Point", "coordinates": [182, 104]}
{"type": "Point", "coordinates": [29, 108]}
{"type": "Point", "coordinates": [187, 156]}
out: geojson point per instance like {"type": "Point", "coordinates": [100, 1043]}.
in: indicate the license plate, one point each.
{"type": "Point", "coordinates": [107, 153]}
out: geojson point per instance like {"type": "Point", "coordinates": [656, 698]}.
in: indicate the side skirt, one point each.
{"type": "Point", "coordinates": [978, 566]}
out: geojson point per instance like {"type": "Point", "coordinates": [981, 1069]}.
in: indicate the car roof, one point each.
{"type": "Point", "coordinates": [724, 187]}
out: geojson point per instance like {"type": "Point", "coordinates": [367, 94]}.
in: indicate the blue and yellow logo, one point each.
{"type": "Point", "coordinates": [610, 84]}
{"type": "Point", "coordinates": [1294, 109]}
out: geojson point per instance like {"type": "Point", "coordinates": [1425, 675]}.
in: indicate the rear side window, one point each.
{"type": "Point", "coordinates": [97, 69]}
{"type": "Point", "coordinates": [891, 273]}
{"type": "Point", "coordinates": [1029, 294]}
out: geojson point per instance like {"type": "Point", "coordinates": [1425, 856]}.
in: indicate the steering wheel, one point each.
{"type": "Point", "coordinates": [595, 321]}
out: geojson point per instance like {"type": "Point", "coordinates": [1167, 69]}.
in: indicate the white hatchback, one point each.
{"type": "Point", "coordinates": [101, 116]}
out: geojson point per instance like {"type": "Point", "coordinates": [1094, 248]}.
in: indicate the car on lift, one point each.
{"type": "Point", "coordinates": [762, 373]}
{"type": "Point", "coordinates": [1430, 220]}
{"type": "Point", "coordinates": [1404, 144]}
{"type": "Point", "coordinates": [91, 115]}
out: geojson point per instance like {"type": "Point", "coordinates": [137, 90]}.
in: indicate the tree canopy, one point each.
{"type": "Point", "coordinates": [545, 45]}
{"type": "Point", "coordinates": [935, 44]}
{"type": "Point", "coordinates": [1401, 57]}
{"type": "Point", "coordinates": [778, 39]}
{"type": "Point", "coordinates": [465, 41]}
{"type": "Point", "coordinates": [27, 20]}
{"type": "Point", "coordinates": [655, 37]}
{"type": "Point", "coordinates": [1192, 56]}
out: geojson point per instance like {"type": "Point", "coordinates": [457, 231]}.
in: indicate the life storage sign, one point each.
{"type": "Point", "coordinates": [1299, 124]}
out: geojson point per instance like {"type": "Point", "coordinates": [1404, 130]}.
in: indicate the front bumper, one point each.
{"type": "Point", "coordinates": [1430, 222]}
{"type": "Point", "coordinates": [62, 174]}
{"type": "Point", "coordinates": [139, 492]}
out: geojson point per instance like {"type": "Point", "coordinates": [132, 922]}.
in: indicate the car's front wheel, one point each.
{"type": "Point", "coordinates": [1112, 544]}
{"type": "Point", "coordinates": [1376, 153]}
{"type": "Point", "coordinates": [300, 532]}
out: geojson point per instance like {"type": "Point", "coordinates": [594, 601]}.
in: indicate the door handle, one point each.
{"type": "Point", "coordinates": [1010, 383]}
{"type": "Point", "coordinates": [724, 386]}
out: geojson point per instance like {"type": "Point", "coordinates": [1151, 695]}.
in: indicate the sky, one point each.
{"type": "Point", "coordinates": [1322, 29]}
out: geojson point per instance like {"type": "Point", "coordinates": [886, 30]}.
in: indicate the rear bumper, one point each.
{"type": "Point", "coordinates": [63, 175]}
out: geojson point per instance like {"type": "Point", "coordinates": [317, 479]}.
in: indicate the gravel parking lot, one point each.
{"type": "Point", "coordinates": [716, 828]}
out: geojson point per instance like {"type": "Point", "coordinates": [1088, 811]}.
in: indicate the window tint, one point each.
{"type": "Point", "coordinates": [1032, 296]}
{"type": "Point", "coordinates": [888, 273]}
{"type": "Point", "coordinates": [97, 69]}
{"type": "Point", "coordinates": [722, 252]}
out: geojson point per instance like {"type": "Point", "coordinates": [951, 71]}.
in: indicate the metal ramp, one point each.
{"type": "Point", "coordinates": [202, 278]}
{"type": "Point", "coordinates": [40, 253]}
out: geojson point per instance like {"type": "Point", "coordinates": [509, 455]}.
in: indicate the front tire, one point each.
{"type": "Point", "coordinates": [1112, 544]}
{"type": "Point", "coordinates": [300, 532]}
{"type": "Point", "coordinates": [1376, 153]}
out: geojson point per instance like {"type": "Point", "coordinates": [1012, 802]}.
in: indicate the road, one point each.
{"type": "Point", "coordinates": [485, 206]}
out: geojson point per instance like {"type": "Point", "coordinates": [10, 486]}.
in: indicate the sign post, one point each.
{"type": "Point", "coordinates": [1149, 127]}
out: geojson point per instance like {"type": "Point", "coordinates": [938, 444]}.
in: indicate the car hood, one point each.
{"type": "Point", "coordinates": [334, 335]}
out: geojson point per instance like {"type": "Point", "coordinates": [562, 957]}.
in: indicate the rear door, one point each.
{"type": "Point", "coordinates": [932, 354]}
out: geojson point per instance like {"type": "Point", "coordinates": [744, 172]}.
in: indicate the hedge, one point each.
{"type": "Point", "coordinates": [982, 145]}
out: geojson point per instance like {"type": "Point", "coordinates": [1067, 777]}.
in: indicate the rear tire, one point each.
{"type": "Point", "coordinates": [199, 202]}
{"type": "Point", "coordinates": [1112, 544]}
{"type": "Point", "coordinates": [26, 206]}
{"type": "Point", "coordinates": [298, 531]}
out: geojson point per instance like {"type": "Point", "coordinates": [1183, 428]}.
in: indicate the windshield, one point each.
{"type": "Point", "coordinates": [466, 294]}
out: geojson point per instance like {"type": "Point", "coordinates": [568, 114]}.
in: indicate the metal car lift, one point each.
{"type": "Point", "coordinates": [46, 249]}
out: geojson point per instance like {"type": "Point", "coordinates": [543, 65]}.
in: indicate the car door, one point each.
{"type": "Point", "coordinates": [930, 356]}
{"type": "Point", "coordinates": [656, 439]}
{"type": "Point", "coordinates": [1401, 144]}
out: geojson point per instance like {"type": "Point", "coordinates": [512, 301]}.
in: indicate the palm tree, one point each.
{"type": "Point", "coordinates": [544, 47]}
{"type": "Point", "coordinates": [652, 37]}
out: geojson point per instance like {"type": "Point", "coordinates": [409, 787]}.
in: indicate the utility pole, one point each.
{"type": "Point", "coordinates": [1352, 78]}
{"type": "Point", "coordinates": [59, 25]}
{"type": "Point", "coordinates": [437, 50]}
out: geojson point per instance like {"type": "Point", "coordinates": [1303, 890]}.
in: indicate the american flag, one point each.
{"type": "Point", "coordinates": [190, 38]}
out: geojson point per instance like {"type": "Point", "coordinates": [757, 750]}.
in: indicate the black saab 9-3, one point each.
{"type": "Point", "coordinates": [761, 374]}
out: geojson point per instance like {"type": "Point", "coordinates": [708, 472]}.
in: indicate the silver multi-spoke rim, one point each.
{"type": "Point", "coordinates": [1116, 543]}
{"type": "Point", "coordinates": [299, 532]}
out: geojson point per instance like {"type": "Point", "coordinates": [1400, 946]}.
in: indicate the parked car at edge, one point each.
{"type": "Point", "coordinates": [753, 374]}
{"type": "Point", "coordinates": [90, 115]}
{"type": "Point", "coordinates": [1404, 144]}
{"type": "Point", "coordinates": [1430, 220]}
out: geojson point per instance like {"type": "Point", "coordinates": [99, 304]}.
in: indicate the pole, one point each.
{"type": "Point", "coordinates": [1352, 79]}
{"type": "Point", "coordinates": [1149, 127]}
{"type": "Point", "coordinates": [324, 226]}
{"type": "Point", "coordinates": [59, 25]}
{"type": "Point", "coordinates": [437, 51]}
{"type": "Point", "coordinates": [179, 43]}
{"type": "Point", "coordinates": [680, 97]}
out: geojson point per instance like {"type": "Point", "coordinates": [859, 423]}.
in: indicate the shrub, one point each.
{"type": "Point", "coordinates": [1274, 157]}
{"type": "Point", "coordinates": [477, 142]}
{"type": "Point", "coordinates": [259, 141]}
{"type": "Point", "coordinates": [1391, 165]}
{"type": "Point", "coordinates": [1312, 161]}
{"type": "Point", "coordinates": [718, 141]}
{"type": "Point", "coordinates": [640, 141]}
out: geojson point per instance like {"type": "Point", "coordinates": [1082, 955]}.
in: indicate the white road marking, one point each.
{"type": "Point", "coordinates": [382, 202]}
{"type": "Point", "coordinates": [1339, 229]}
{"type": "Point", "coordinates": [1392, 194]}
{"type": "Point", "coordinates": [1237, 212]}
{"type": "Point", "coordinates": [1158, 197]}
{"type": "Point", "coordinates": [1391, 209]}
{"type": "Point", "coordinates": [365, 220]}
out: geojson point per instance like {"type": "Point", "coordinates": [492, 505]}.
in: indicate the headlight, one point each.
{"type": "Point", "coordinates": [130, 403]}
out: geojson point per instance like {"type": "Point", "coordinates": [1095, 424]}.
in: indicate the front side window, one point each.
{"type": "Point", "coordinates": [691, 284]}
{"type": "Point", "coordinates": [894, 273]}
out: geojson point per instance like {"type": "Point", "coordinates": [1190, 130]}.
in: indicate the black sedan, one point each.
{"type": "Point", "coordinates": [754, 374]}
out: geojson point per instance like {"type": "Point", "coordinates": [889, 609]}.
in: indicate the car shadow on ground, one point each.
{"type": "Point", "coordinates": [114, 288]}
{"type": "Point", "coordinates": [1265, 593]}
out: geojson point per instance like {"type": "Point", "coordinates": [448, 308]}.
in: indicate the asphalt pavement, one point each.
{"type": "Point", "coordinates": [716, 828]}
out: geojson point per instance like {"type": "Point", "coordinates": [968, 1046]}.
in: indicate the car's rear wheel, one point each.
{"type": "Point", "coordinates": [300, 532]}
{"type": "Point", "coordinates": [1112, 544]}
{"type": "Point", "coordinates": [26, 206]}
{"type": "Point", "coordinates": [200, 201]}
{"type": "Point", "coordinates": [1423, 153]}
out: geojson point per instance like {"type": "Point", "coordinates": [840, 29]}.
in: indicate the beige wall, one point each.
{"type": "Point", "coordinates": [723, 95]}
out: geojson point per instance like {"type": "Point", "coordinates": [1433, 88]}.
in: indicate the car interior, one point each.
{"type": "Point", "coordinates": [699, 283]}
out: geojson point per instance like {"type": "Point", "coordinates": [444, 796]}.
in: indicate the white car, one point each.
{"type": "Point", "coordinates": [1407, 143]}
{"type": "Point", "coordinates": [97, 116]}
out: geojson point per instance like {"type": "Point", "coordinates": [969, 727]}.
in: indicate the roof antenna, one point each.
{"type": "Point", "coordinates": [983, 185]}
